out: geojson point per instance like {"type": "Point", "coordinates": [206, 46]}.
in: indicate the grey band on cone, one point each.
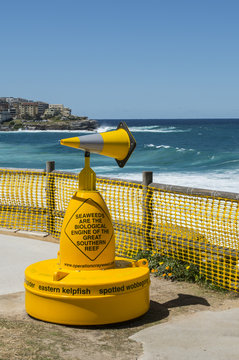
{"type": "Point", "coordinates": [92, 143]}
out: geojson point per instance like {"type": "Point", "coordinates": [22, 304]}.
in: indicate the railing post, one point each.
{"type": "Point", "coordinates": [147, 221]}
{"type": "Point", "coordinates": [50, 166]}
{"type": "Point", "coordinates": [50, 197]}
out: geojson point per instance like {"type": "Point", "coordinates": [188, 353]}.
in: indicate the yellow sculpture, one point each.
{"type": "Point", "coordinates": [87, 284]}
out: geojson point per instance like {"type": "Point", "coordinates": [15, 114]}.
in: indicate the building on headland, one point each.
{"type": "Point", "coordinates": [60, 109]}
{"type": "Point", "coordinates": [28, 108]}
{"type": "Point", "coordinates": [13, 111]}
{"type": "Point", "coordinates": [4, 106]}
{"type": "Point", "coordinates": [11, 100]}
{"type": "Point", "coordinates": [4, 116]}
{"type": "Point", "coordinates": [4, 111]}
{"type": "Point", "coordinates": [50, 112]}
{"type": "Point", "coordinates": [23, 108]}
{"type": "Point", "coordinates": [33, 109]}
{"type": "Point", "coordinates": [66, 112]}
{"type": "Point", "coordinates": [42, 107]}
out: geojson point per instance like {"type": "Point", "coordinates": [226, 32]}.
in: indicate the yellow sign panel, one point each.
{"type": "Point", "coordinates": [87, 236]}
{"type": "Point", "coordinates": [89, 229]}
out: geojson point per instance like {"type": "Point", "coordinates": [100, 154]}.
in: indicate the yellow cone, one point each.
{"type": "Point", "coordinates": [118, 144]}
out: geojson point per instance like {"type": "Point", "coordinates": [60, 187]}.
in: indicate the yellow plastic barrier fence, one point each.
{"type": "Point", "coordinates": [198, 226]}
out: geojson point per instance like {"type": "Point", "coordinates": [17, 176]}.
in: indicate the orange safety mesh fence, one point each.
{"type": "Point", "coordinates": [197, 226]}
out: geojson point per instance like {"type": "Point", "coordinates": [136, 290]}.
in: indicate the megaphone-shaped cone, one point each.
{"type": "Point", "coordinates": [118, 144]}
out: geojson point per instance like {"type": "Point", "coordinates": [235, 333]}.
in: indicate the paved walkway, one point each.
{"type": "Point", "coordinates": [204, 335]}
{"type": "Point", "coordinates": [16, 254]}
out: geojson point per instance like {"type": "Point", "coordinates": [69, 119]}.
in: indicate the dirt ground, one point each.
{"type": "Point", "coordinates": [25, 338]}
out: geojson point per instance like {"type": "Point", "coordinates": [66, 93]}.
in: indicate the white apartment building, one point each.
{"type": "Point", "coordinates": [57, 108]}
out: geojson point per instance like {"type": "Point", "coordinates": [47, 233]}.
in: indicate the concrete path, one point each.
{"type": "Point", "coordinates": [204, 336]}
{"type": "Point", "coordinates": [16, 254]}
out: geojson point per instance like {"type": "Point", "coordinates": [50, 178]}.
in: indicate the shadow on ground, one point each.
{"type": "Point", "coordinates": [156, 313]}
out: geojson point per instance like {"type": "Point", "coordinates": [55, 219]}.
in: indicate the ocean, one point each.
{"type": "Point", "coordinates": [201, 153]}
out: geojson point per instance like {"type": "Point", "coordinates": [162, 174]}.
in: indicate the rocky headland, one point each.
{"type": "Point", "coordinates": [54, 123]}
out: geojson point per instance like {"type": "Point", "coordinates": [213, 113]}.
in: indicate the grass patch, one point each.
{"type": "Point", "coordinates": [31, 341]}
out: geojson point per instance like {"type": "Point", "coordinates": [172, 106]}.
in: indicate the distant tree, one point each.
{"type": "Point", "coordinates": [27, 117]}
{"type": "Point", "coordinates": [38, 117]}
{"type": "Point", "coordinates": [12, 123]}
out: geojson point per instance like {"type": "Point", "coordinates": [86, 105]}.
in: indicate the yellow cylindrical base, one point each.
{"type": "Point", "coordinates": [87, 297]}
{"type": "Point", "coordinates": [93, 311]}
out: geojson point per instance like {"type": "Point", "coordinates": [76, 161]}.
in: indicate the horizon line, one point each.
{"type": "Point", "coordinates": [181, 118]}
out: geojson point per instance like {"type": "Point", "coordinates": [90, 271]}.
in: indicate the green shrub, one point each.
{"type": "Point", "coordinates": [175, 270]}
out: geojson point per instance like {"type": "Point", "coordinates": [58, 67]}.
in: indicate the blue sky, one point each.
{"type": "Point", "coordinates": [124, 58]}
